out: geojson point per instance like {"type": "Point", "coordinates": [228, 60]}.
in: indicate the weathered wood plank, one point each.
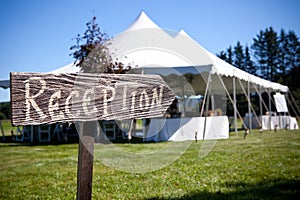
{"type": "Point", "coordinates": [87, 131]}
{"type": "Point", "coordinates": [39, 98]}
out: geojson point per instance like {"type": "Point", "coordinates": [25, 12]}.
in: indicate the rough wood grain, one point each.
{"type": "Point", "coordinates": [85, 168]}
{"type": "Point", "coordinates": [39, 98]}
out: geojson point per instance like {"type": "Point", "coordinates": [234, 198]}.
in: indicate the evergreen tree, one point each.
{"type": "Point", "coordinates": [282, 56]}
{"type": "Point", "coordinates": [248, 63]}
{"type": "Point", "coordinates": [259, 47]}
{"type": "Point", "coordinates": [292, 55]}
{"type": "Point", "coordinates": [266, 51]}
{"type": "Point", "coordinates": [272, 52]}
{"type": "Point", "coordinates": [229, 55]}
{"type": "Point", "coordinates": [288, 56]}
{"type": "Point", "coordinates": [293, 52]}
{"type": "Point", "coordinates": [222, 55]}
{"type": "Point", "coordinates": [239, 56]}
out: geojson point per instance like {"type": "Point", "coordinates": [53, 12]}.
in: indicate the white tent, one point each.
{"type": "Point", "coordinates": [70, 68]}
{"type": "Point", "coordinates": [145, 44]}
{"type": "Point", "coordinates": [140, 45]}
{"type": "Point", "coordinates": [154, 50]}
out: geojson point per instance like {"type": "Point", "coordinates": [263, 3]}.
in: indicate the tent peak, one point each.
{"type": "Point", "coordinates": [142, 22]}
{"type": "Point", "coordinates": [183, 33]}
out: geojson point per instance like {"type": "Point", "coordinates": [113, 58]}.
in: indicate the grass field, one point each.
{"type": "Point", "coordinates": [263, 166]}
{"type": "Point", "coordinates": [7, 127]}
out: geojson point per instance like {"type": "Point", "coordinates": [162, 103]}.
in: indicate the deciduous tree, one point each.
{"type": "Point", "coordinates": [91, 50]}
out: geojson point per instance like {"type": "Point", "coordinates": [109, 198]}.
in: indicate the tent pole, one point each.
{"type": "Point", "coordinates": [206, 114]}
{"type": "Point", "coordinates": [231, 100]}
{"type": "Point", "coordinates": [261, 99]}
{"type": "Point", "coordinates": [204, 98]}
{"type": "Point", "coordinates": [234, 107]}
{"type": "Point", "coordinates": [260, 103]}
{"type": "Point", "coordinates": [248, 99]}
{"type": "Point", "coordinates": [206, 103]}
{"type": "Point", "coordinates": [289, 114]}
{"type": "Point", "coordinates": [269, 93]}
{"type": "Point", "coordinates": [260, 110]}
{"type": "Point", "coordinates": [212, 102]}
{"type": "Point", "coordinates": [249, 107]}
{"type": "Point", "coordinates": [292, 101]}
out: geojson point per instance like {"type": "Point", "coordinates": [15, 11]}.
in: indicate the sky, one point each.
{"type": "Point", "coordinates": [36, 35]}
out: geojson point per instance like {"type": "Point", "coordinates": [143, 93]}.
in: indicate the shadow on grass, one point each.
{"type": "Point", "coordinates": [269, 189]}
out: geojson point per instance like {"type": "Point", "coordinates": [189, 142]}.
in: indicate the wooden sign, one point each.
{"type": "Point", "coordinates": [39, 98]}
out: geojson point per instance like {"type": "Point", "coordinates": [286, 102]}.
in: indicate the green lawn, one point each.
{"type": "Point", "coordinates": [7, 127]}
{"type": "Point", "coordinates": [263, 166]}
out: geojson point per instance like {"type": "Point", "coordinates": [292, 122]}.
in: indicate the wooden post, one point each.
{"type": "Point", "coordinates": [87, 132]}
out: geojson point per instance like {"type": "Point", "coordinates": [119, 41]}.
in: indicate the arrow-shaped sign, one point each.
{"type": "Point", "coordinates": [39, 98]}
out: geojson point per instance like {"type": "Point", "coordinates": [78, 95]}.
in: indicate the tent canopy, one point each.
{"type": "Point", "coordinates": [146, 45]}
{"type": "Point", "coordinates": [70, 68]}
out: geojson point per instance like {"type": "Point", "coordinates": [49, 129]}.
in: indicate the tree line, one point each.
{"type": "Point", "coordinates": [5, 111]}
{"type": "Point", "coordinates": [272, 56]}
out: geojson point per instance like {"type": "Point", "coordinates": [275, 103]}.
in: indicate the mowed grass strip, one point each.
{"type": "Point", "coordinates": [263, 166]}
{"type": "Point", "coordinates": [7, 127]}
